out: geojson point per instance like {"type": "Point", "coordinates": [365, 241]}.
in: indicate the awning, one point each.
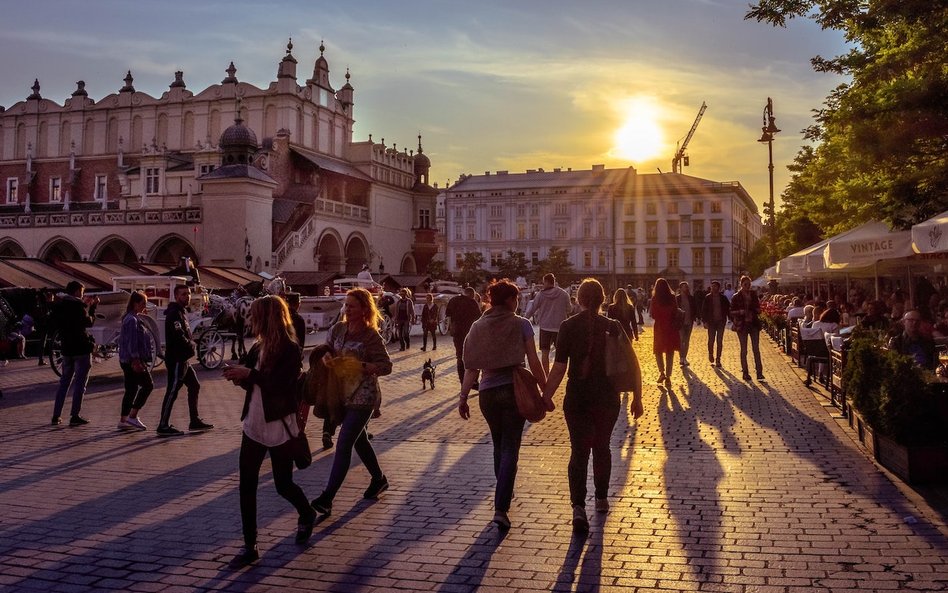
{"type": "Point", "coordinates": [796, 263]}
{"type": "Point", "coordinates": [866, 245]}
{"type": "Point", "coordinates": [12, 276]}
{"type": "Point", "coordinates": [329, 164]}
{"type": "Point", "coordinates": [931, 236]}
{"type": "Point", "coordinates": [52, 274]}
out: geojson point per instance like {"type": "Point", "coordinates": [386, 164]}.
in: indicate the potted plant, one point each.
{"type": "Point", "coordinates": [895, 411]}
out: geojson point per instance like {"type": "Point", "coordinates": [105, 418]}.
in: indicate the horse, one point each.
{"type": "Point", "coordinates": [233, 312]}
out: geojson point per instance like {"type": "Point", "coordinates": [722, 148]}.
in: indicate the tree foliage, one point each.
{"type": "Point", "coordinates": [514, 265]}
{"type": "Point", "coordinates": [438, 270]}
{"type": "Point", "coordinates": [555, 262]}
{"type": "Point", "coordinates": [472, 269]}
{"type": "Point", "coordinates": [881, 139]}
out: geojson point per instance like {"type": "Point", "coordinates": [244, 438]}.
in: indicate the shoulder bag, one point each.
{"type": "Point", "coordinates": [527, 393]}
{"type": "Point", "coordinates": [299, 444]}
{"type": "Point", "coordinates": [622, 365]}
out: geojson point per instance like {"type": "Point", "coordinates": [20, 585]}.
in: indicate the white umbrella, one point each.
{"type": "Point", "coordinates": [931, 236]}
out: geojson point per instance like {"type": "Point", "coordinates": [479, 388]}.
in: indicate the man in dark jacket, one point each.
{"type": "Point", "coordinates": [714, 312]}
{"type": "Point", "coordinates": [179, 348]}
{"type": "Point", "coordinates": [70, 316]}
{"type": "Point", "coordinates": [462, 311]}
{"type": "Point", "coordinates": [299, 324]}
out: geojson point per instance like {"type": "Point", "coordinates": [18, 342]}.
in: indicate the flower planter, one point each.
{"type": "Point", "coordinates": [919, 464]}
{"type": "Point", "coordinates": [864, 432]}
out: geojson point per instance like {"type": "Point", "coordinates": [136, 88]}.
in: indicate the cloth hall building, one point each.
{"type": "Point", "coordinates": [131, 177]}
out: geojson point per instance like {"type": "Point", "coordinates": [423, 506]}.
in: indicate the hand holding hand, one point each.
{"type": "Point", "coordinates": [548, 402]}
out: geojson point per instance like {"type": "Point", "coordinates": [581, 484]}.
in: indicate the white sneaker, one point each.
{"type": "Point", "coordinates": [135, 423]}
{"type": "Point", "coordinates": [122, 425]}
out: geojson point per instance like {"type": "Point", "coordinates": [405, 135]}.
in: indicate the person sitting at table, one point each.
{"type": "Point", "coordinates": [914, 341]}
{"type": "Point", "coordinates": [875, 318]}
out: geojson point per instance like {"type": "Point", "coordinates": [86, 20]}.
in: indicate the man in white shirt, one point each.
{"type": "Point", "coordinates": [550, 307]}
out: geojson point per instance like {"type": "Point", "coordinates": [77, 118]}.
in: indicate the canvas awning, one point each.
{"type": "Point", "coordinates": [866, 245]}
{"type": "Point", "coordinates": [796, 264]}
{"type": "Point", "coordinates": [931, 236]}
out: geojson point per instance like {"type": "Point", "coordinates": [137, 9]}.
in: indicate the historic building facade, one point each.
{"type": "Point", "coordinates": [131, 177]}
{"type": "Point", "coordinates": [617, 225]}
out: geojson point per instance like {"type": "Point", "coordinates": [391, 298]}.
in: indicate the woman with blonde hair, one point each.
{"type": "Point", "coordinates": [269, 416]}
{"type": "Point", "coordinates": [498, 341]}
{"type": "Point", "coordinates": [591, 405]}
{"type": "Point", "coordinates": [623, 311]}
{"type": "Point", "coordinates": [357, 336]}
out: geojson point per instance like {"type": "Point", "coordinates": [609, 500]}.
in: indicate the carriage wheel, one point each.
{"type": "Point", "coordinates": [159, 356]}
{"type": "Point", "coordinates": [443, 324]}
{"type": "Point", "coordinates": [55, 354]}
{"type": "Point", "coordinates": [211, 349]}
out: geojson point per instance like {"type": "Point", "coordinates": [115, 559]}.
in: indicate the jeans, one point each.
{"type": "Point", "coordinates": [755, 345]}
{"type": "Point", "coordinates": [138, 386]}
{"type": "Point", "coordinates": [424, 338]}
{"type": "Point", "coordinates": [352, 435]}
{"type": "Point", "coordinates": [404, 335]}
{"type": "Point", "coordinates": [685, 335]}
{"type": "Point", "coordinates": [590, 428]}
{"type": "Point", "coordinates": [715, 336]}
{"type": "Point", "coordinates": [459, 353]}
{"type": "Point", "coordinates": [180, 374]}
{"type": "Point", "coordinates": [75, 371]}
{"type": "Point", "coordinates": [499, 408]}
{"type": "Point", "coordinates": [281, 459]}
{"type": "Point", "coordinates": [664, 361]}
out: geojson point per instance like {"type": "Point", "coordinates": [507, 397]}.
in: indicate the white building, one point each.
{"type": "Point", "coordinates": [616, 224]}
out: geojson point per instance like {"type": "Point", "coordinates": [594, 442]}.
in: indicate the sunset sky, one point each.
{"type": "Point", "coordinates": [490, 85]}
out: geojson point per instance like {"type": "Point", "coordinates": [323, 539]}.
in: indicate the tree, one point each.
{"type": "Point", "coordinates": [438, 270]}
{"type": "Point", "coordinates": [514, 265]}
{"type": "Point", "coordinates": [555, 262]}
{"type": "Point", "coordinates": [472, 269]}
{"type": "Point", "coordinates": [881, 139]}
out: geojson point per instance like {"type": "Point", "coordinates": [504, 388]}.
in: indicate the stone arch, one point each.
{"type": "Point", "coordinates": [187, 131]}
{"type": "Point", "coordinates": [170, 249]}
{"type": "Point", "coordinates": [112, 135]}
{"type": "Point", "coordinates": [357, 253]}
{"type": "Point", "coordinates": [137, 143]}
{"type": "Point", "coordinates": [408, 264]}
{"type": "Point", "coordinates": [161, 131]}
{"type": "Point", "coordinates": [114, 249]}
{"type": "Point", "coordinates": [19, 141]}
{"type": "Point", "coordinates": [328, 253]}
{"type": "Point", "coordinates": [65, 138]}
{"type": "Point", "coordinates": [10, 248]}
{"type": "Point", "coordinates": [270, 121]}
{"type": "Point", "coordinates": [42, 140]}
{"type": "Point", "coordinates": [59, 249]}
{"type": "Point", "coordinates": [88, 136]}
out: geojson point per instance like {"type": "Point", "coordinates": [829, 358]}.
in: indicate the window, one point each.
{"type": "Point", "coordinates": [672, 207]}
{"type": "Point", "coordinates": [559, 230]}
{"type": "Point", "coordinates": [717, 258]}
{"type": "Point", "coordinates": [534, 210]}
{"type": "Point", "coordinates": [651, 259]}
{"type": "Point", "coordinates": [470, 232]}
{"type": "Point", "coordinates": [458, 233]}
{"type": "Point", "coordinates": [673, 227]}
{"type": "Point", "coordinates": [496, 257]}
{"type": "Point", "coordinates": [651, 231]}
{"type": "Point", "coordinates": [587, 259]}
{"type": "Point", "coordinates": [534, 258]}
{"type": "Point", "coordinates": [697, 208]}
{"type": "Point", "coordinates": [629, 209]}
{"type": "Point", "coordinates": [561, 209]}
{"type": "Point", "coordinates": [697, 230]}
{"type": "Point", "coordinates": [587, 229]}
{"type": "Point", "coordinates": [672, 255]}
{"type": "Point", "coordinates": [496, 211]}
{"type": "Point", "coordinates": [715, 207]}
{"type": "Point", "coordinates": [424, 218]}
{"type": "Point", "coordinates": [601, 229]}
{"type": "Point", "coordinates": [716, 230]}
{"type": "Point", "coordinates": [55, 189]}
{"type": "Point", "coordinates": [534, 230]}
{"type": "Point", "coordinates": [205, 169]}
{"type": "Point", "coordinates": [496, 231]}
{"type": "Point", "coordinates": [470, 211]}
{"type": "Point", "coordinates": [697, 260]}
{"type": "Point", "coordinates": [12, 185]}
{"type": "Point", "coordinates": [458, 212]}
{"type": "Point", "coordinates": [521, 210]}
{"type": "Point", "coordinates": [101, 188]}
{"type": "Point", "coordinates": [588, 209]}
{"type": "Point", "coordinates": [151, 180]}
{"type": "Point", "coordinates": [521, 231]}
{"type": "Point", "coordinates": [600, 209]}
{"type": "Point", "coordinates": [650, 208]}
{"type": "Point", "coordinates": [602, 258]}
{"type": "Point", "coordinates": [458, 261]}
{"type": "Point", "coordinates": [628, 259]}
{"type": "Point", "coordinates": [628, 228]}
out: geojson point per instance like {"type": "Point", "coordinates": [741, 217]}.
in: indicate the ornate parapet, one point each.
{"type": "Point", "coordinates": [100, 218]}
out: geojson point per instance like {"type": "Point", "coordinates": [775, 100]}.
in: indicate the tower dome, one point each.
{"type": "Point", "coordinates": [422, 164]}
{"type": "Point", "coordinates": [238, 143]}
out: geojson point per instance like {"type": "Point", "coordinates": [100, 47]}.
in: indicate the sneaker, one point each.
{"type": "Point", "coordinates": [56, 421]}
{"type": "Point", "coordinates": [602, 505]}
{"type": "Point", "coordinates": [168, 431]}
{"type": "Point", "coordinates": [327, 440]}
{"type": "Point", "coordinates": [501, 520]}
{"type": "Point", "coordinates": [199, 426]}
{"type": "Point", "coordinates": [376, 487]}
{"type": "Point", "coordinates": [304, 531]}
{"type": "Point", "coordinates": [122, 425]}
{"type": "Point", "coordinates": [761, 378]}
{"type": "Point", "coordinates": [580, 522]}
{"type": "Point", "coordinates": [135, 423]}
{"type": "Point", "coordinates": [322, 504]}
{"type": "Point", "coordinates": [247, 556]}
{"type": "Point", "coordinates": [77, 420]}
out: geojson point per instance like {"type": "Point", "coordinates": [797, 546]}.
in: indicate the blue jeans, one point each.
{"type": "Point", "coordinates": [715, 338]}
{"type": "Point", "coordinates": [352, 435]}
{"type": "Point", "coordinates": [755, 345]}
{"type": "Point", "coordinates": [499, 407]}
{"type": "Point", "coordinates": [75, 371]}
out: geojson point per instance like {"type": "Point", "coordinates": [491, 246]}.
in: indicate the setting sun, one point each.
{"type": "Point", "coordinates": [640, 137]}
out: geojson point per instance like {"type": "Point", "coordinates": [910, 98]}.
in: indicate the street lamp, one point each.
{"type": "Point", "coordinates": [768, 130]}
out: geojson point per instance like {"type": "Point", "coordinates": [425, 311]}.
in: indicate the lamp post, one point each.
{"type": "Point", "coordinates": [768, 130]}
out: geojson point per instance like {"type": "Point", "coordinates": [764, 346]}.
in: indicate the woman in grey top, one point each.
{"type": "Point", "coordinates": [135, 354]}
{"type": "Point", "coordinates": [357, 335]}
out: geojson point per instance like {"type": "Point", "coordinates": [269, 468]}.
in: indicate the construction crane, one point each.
{"type": "Point", "coordinates": [680, 157]}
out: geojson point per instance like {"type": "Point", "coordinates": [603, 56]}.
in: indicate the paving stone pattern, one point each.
{"type": "Point", "coordinates": [721, 486]}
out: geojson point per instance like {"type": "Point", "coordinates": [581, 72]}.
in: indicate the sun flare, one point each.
{"type": "Point", "coordinates": [640, 137]}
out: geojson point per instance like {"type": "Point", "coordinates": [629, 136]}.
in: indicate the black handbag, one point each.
{"type": "Point", "coordinates": [299, 445]}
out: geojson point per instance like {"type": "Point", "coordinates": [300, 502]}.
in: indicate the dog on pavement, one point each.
{"type": "Point", "coordinates": [427, 374]}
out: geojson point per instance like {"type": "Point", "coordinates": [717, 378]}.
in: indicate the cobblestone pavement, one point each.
{"type": "Point", "coordinates": [721, 486]}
